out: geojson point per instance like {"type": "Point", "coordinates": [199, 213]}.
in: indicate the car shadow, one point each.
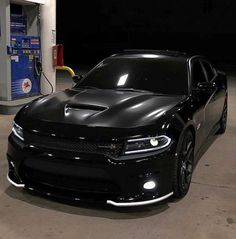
{"type": "Point", "coordinates": [86, 209]}
{"type": "Point", "coordinates": [210, 140]}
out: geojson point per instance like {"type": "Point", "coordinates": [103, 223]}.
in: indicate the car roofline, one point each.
{"type": "Point", "coordinates": [150, 51]}
{"type": "Point", "coordinates": [188, 56]}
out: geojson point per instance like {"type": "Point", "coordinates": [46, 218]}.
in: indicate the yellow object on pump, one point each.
{"type": "Point", "coordinates": [66, 68]}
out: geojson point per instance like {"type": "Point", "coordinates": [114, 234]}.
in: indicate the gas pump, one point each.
{"type": "Point", "coordinates": [25, 51]}
{"type": "Point", "coordinates": [27, 35]}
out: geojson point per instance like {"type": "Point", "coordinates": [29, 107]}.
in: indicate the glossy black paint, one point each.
{"type": "Point", "coordinates": [96, 115]}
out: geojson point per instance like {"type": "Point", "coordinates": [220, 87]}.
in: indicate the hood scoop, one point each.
{"type": "Point", "coordinates": [85, 107]}
{"type": "Point", "coordinates": [82, 111]}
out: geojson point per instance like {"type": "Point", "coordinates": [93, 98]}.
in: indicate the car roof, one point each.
{"type": "Point", "coordinates": [139, 52]}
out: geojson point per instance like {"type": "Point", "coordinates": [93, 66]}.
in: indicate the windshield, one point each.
{"type": "Point", "coordinates": [163, 75]}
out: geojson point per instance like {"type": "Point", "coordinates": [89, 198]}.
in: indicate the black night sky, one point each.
{"type": "Point", "coordinates": [96, 29]}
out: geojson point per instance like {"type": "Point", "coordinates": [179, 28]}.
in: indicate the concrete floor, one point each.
{"type": "Point", "coordinates": [208, 211]}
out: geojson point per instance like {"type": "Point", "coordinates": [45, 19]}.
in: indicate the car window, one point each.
{"type": "Point", "coordinates": [198, 74]}
{"type": "Point", "coordinates": [160, 74]}
{"type": "Point", "coordinates": [209, 71]}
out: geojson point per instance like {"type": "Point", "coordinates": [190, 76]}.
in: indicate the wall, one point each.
{"type": "Point", "coordinates": [91, 33]}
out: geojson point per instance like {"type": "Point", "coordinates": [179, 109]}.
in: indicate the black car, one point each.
{"type": "Point", "coordinates": [127, 134]}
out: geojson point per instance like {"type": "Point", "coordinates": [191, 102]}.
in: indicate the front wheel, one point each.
{"type": "Point", "coordinates": [184, 165]}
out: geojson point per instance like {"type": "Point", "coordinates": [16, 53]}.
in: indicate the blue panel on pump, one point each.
{"type": "Point", "coordinates": [25, 77]}
{"type": "Point", "coordinates": [25, 42]}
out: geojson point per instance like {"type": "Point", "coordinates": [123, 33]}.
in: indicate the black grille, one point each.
{"type": "Point", "coordinates": [69, 183]}
{"type": "Point", "coordinates": [74, 145]}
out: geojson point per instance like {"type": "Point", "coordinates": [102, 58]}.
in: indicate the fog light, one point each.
{"type": "Point", "coordinates": [149, 185]}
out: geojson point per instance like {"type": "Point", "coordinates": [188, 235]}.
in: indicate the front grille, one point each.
{"type": "Point", "coordinates": [74, 145]}
{"type": "Point", "coordinates": [69, 183]}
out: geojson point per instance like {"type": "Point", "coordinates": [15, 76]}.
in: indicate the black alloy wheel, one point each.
{"type": "Point", "coordinates": [184, 166]}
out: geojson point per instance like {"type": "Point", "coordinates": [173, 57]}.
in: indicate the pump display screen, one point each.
{"type": "Point", "coordinates": [25, 43]}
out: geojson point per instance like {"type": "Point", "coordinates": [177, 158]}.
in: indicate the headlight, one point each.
{"type": "Point", "coordinates": [18, 131]}
{"type": "Point", "coordinates": [143, 145]}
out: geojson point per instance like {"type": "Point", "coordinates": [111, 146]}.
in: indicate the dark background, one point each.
{"type": "Point", "coordinates": [93, 30]}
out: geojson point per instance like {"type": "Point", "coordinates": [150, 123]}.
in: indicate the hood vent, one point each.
{"type": "Point", "coordinates": [85, 107]}
{"type": "Point", "coordinates": [82, 112]}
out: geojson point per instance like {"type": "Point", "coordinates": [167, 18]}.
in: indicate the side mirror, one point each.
{"type": "Point", "coordinates": [77, 78]}
{"type": "Point", "coordinates": [206, 86]}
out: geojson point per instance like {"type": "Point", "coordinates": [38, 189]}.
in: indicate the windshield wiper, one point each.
{"type": "Point", "coordinates": [133, 90]}
{"type": "Point", "coordinates": [88, 87]}
{"type": "Point", "coordinates": [138, 90]}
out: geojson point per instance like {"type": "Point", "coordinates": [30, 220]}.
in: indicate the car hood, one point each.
{"type": "Point", "coordinates": [101, 108]}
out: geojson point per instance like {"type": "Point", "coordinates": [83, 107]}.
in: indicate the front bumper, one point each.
{"type": "Point", "coordinates": [90, 178]}
{"type": "Point", "coordinates": [117, 204]}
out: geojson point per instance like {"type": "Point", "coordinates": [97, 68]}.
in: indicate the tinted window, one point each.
{"type": "Point", "coordinates": [197, 73]}
{"type": "Point", "coordinates": [209, 71]}
{"type": "Point", "coordinates": [166, 75]}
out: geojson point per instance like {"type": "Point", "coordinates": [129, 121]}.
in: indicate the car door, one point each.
{"type": "Point", "coordinates": [218, 97]}
{"type": "Point", "coordinates": [202, 101]}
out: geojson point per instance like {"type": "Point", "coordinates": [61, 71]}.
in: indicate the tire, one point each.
{"type": "Point", "coordinates": [223, 120]}
{"type": "Point", "coordinates": [183, 168]}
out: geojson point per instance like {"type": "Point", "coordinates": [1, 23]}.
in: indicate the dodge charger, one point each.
{"type": "Point", "coordinates": [126, 134]}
